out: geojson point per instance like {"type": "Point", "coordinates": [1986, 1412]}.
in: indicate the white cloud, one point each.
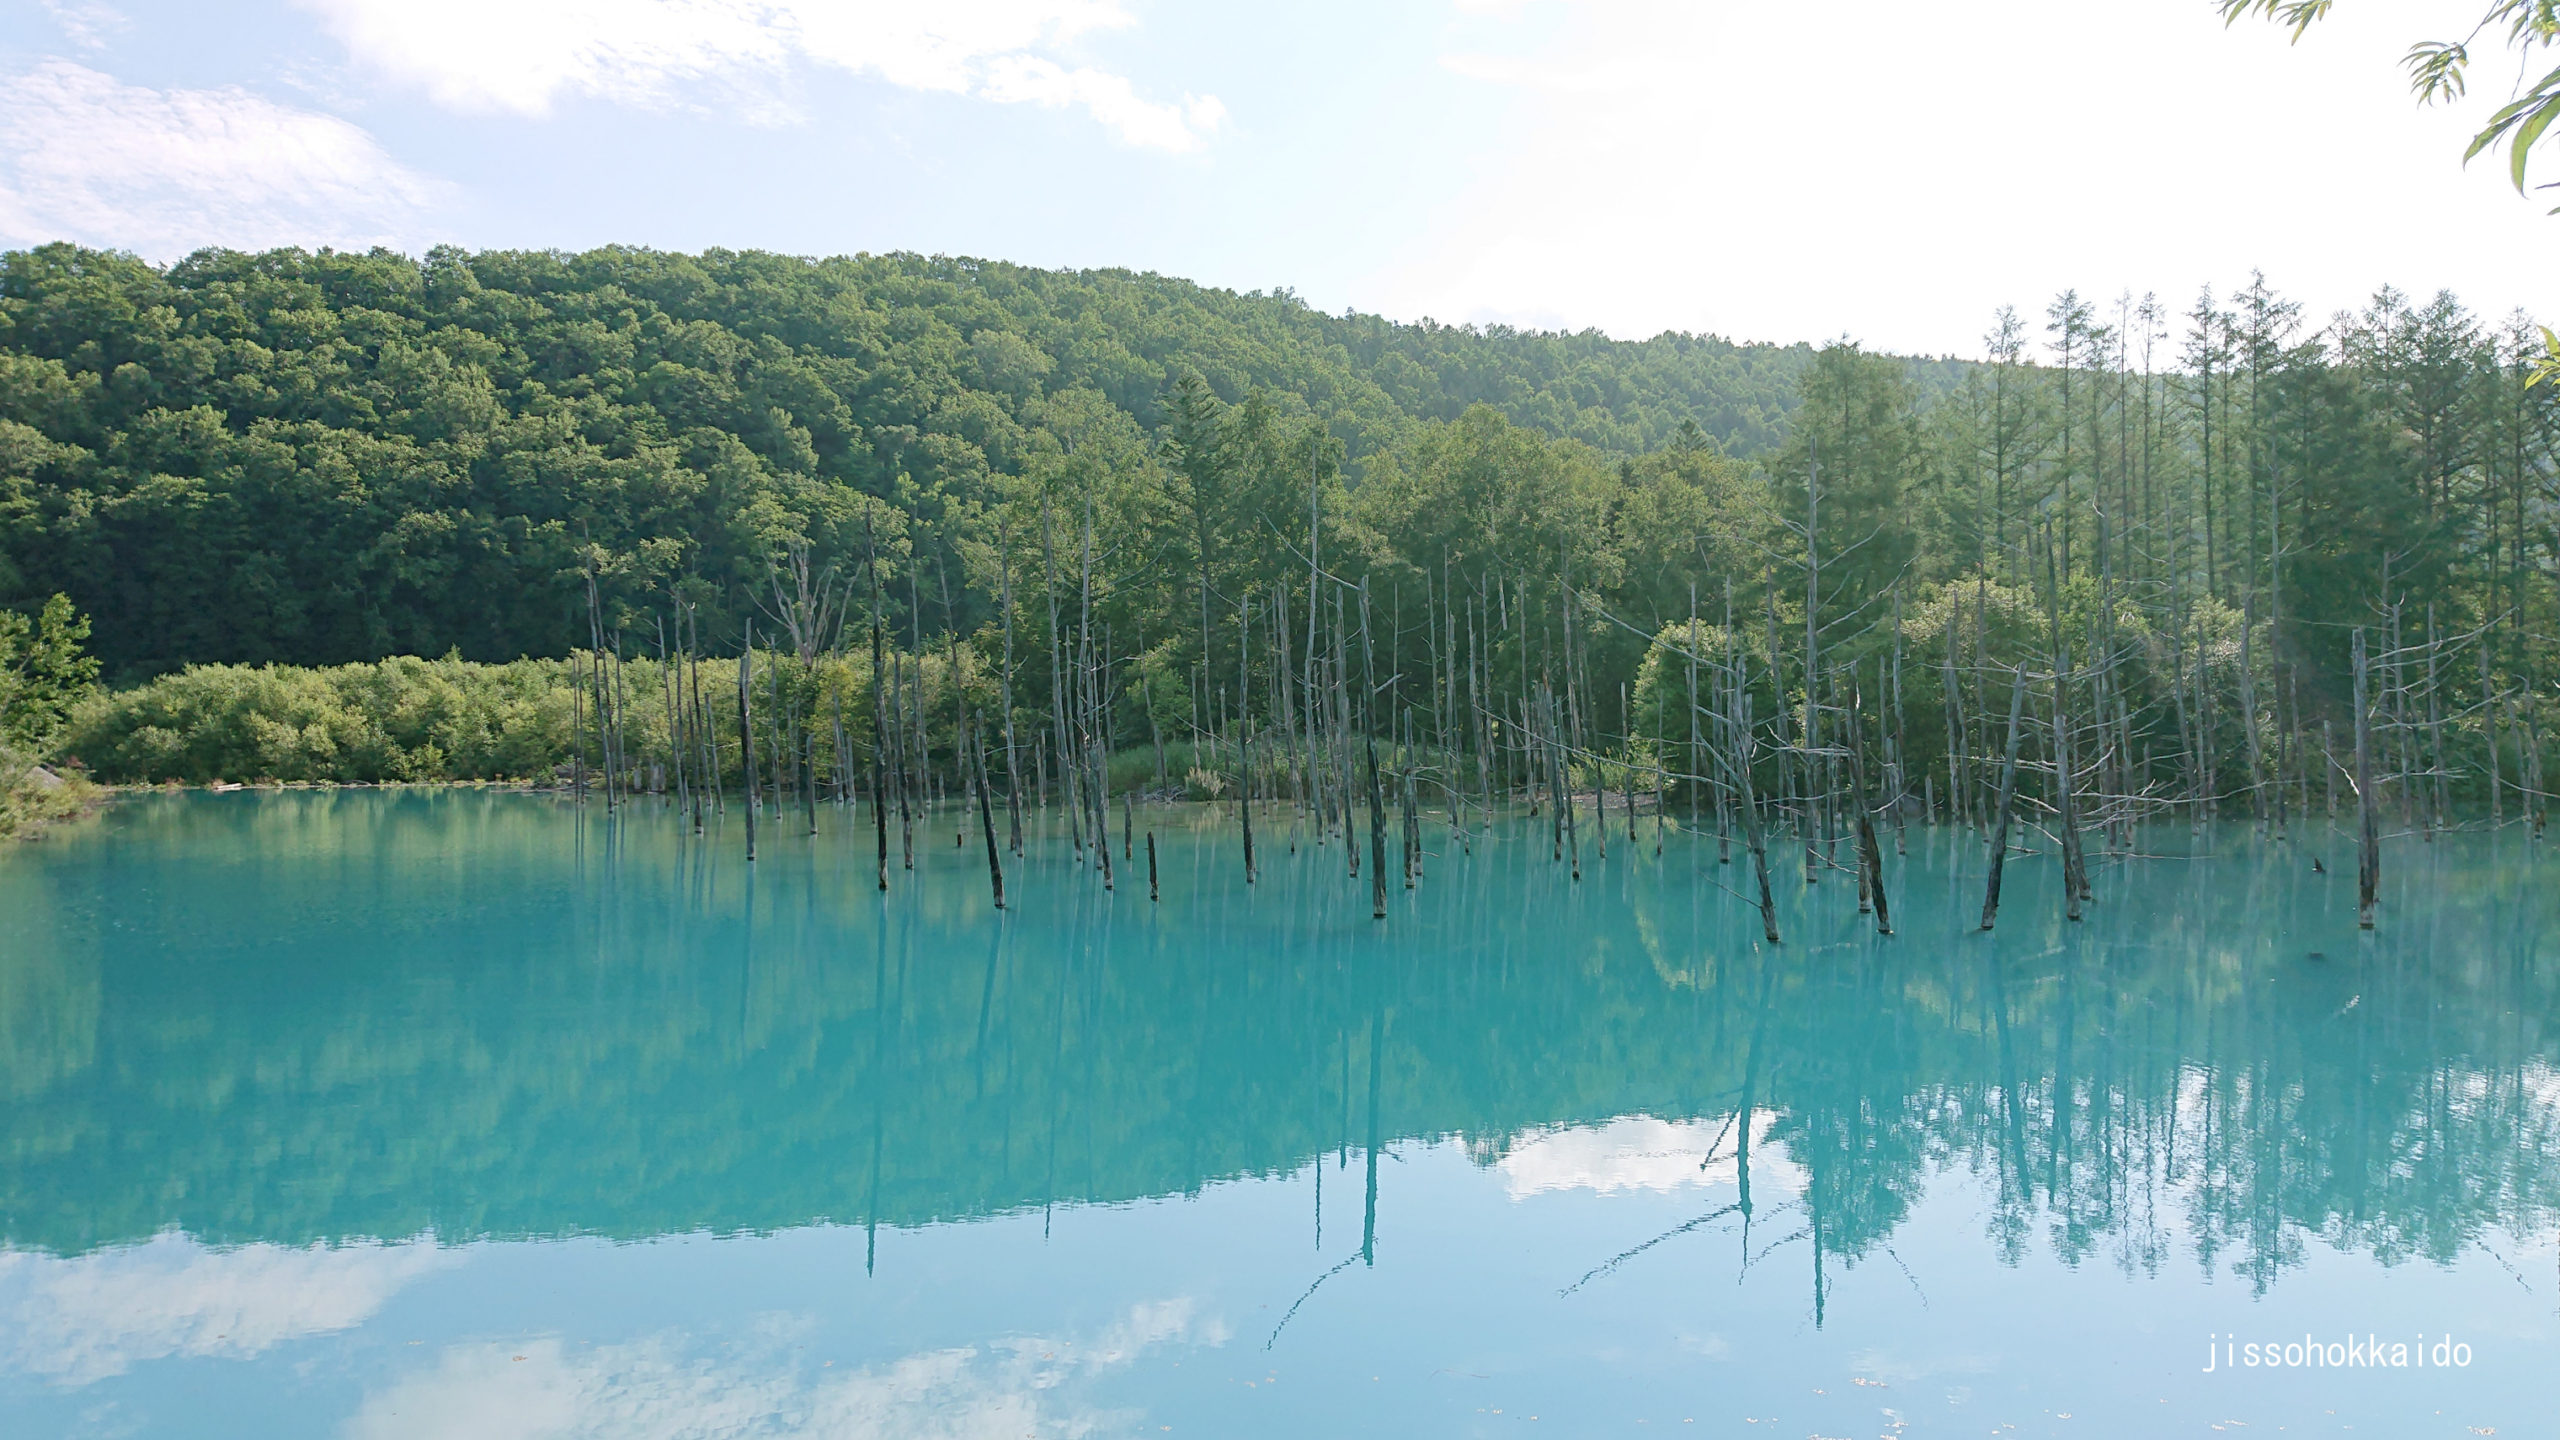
{"type": "Point", "coordinates": [85, 157]}
{"type": "Point", "coordinates": [87, 23]}
{"type": "Point", "coordinates": [1632, 1152]}
{"type": "Point", "coordinates": [654, 1389]}
{"type": "Point", "coordinates": [521, 56]}
{"type": "Point", "coordinates": [1896, 171]}
{"type": "Point", "coordinates": [77, 1320]}
{"type": "Point", "coordinates": [1111, 99]}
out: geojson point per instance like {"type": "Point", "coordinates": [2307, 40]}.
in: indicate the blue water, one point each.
{"type": "Point", "coordinates": [464, 1114]}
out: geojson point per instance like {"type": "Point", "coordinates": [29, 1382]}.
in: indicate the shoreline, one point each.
{"type": "Point", "coordinates": [41, 799]}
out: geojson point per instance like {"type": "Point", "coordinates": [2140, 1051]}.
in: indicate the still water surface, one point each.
{"type": "Point", "coordinates": [474, 1115]}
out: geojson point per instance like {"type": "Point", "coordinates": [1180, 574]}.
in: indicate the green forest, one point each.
{"type": "Point", "coordinates": [1103, 511]}
{"type": "Point", "coordinates": [314, 459]}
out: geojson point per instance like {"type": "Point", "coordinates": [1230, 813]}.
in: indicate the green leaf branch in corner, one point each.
{"type": "Point", "coordinates": [2439, 70]}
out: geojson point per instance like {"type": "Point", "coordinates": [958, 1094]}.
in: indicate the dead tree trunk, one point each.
{"type": "Point", "coordinates": [2368, 820]}
{"type": "Point", "coordinates": [2008, 798]}
{"type": "Point", "coordinates": [1736, 758]}
{"type": "Point", "coordinates": [986, 820]}
{"type": "Point", "coordinates": [1369, 747]}
{"type": "Point", "coordinates": [747, 733]}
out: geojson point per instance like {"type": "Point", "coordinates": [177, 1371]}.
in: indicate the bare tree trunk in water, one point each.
{"type": "Point", "coordinates": [1244, 739]}
{"type": "Point", "coordinates": [747, 734]}
{"type": "Point", "coordinates": [1369, 745]}
{"type": "Point", "coordinates": [1737, 762]}
{"type": "Point", "coordinates": [986, 821]}
{"type": "Point", "coordinates": [2008, 796]}
{"type": "Point", "coordinates": [879, 711]}
{"type": "Point", "coordinates": [1870, 855]}
{"type": "Point", "coordinates": [2368, 822]}
{"type": "Point", "coordinates": [2075, 882]}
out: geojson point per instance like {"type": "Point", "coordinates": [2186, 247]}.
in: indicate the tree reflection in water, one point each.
{"type": "Point", "coordinates": [327, 1017]}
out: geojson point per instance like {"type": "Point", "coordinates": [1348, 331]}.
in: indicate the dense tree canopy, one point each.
{"type": "Point", "coordinates": [321, 458]}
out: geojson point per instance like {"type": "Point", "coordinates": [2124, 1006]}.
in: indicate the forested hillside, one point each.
{"type": "Point", "coordinates": [1124, 511]}
{"type": "Point", "coordinates": [322, 458]}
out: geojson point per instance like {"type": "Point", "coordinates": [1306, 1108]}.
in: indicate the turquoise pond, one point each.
{"type": "Point", "coordinates": [474, 1114]}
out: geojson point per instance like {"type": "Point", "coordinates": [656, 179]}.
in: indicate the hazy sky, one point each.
{"type": "Point", "coordinates": [1775, 170]}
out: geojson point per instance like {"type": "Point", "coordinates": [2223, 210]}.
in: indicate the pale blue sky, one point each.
{"type": "Point", "coordinates": [1766, 171]}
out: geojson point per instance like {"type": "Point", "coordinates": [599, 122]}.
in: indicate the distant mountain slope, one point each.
{"type": "Point", "coordinates": [329, 456]}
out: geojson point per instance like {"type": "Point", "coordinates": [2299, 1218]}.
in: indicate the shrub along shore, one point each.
{"type": "Point", "coordinates": [402, 719]}
{"type": "Point", "coordinates": [33, 796]}
{"type": "Point", "coordinates": [408, 720]}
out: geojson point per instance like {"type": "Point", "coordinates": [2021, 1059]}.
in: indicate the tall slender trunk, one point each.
{"type": "Point", "coordinates": [986, 821]}
{"type": "Point", "coordinates": [1012, 772]}
{"type": "Point", "coordinates": [879, 715]}
{"type": "Point", "coordinates": [1812, 647]}
{"type": "Point", "coordinates": [2368, 818]}
{"type": "Point", "coordinates": [1870, 854]}
{"type": "Point", "coordinates": [2075, 882]}
{"type": "Point", "coordinates": [1244, 737]}
{"type": "Point", "coordinates": [747, 732]}
{"type": "Point", "coordinates": [2440, 793]}
{"type": "Point", "coordinates": [1058, 683]}
{"type": "Point", "coordinates": [1369, 745]}
{"type": "Point", "coordinates": [2008, 798]}
{"type": "Point", "coordinates": [1736, 758]}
